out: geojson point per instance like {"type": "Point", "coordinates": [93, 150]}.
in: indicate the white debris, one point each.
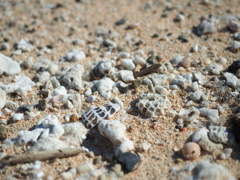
{"type": "Point", "coordinates": [177, 60]}
{"type": "Point", "coordinates": [22, 85]}
{"type": "Point", "coordinates": [226, 153]}
{"type": "Point", "coordinates": [231, 79]}
{"type": "Point", "coordinates": [128, 64]}
{"type": "Point", "coordinates": [18, 116]}
{"type": "Point", "coordinates": [25, 46]}
{"type": "Point", "coordinates": [73, 77]}
{"type": "Point", "coordinates": [211, 114]}
{"type": "Point", "coordinates": [195, 86]}
{"type": "Point", "coordinates": [126, 76]}
{"type": "Point", "coordinates": [75, 55]}
{"type": "Point", "coordinates": [161, 90]}
{"type": "Point", "coordinates": [42, 64]}
{"type": "Point", "coordinates": [91, 98]}
{"type": "Point", "coordinates": [189, 115]}
{"type": "Point", "coordinates": [145, 147]}
{"type": "Point", "coordinates": [104, 87]}
{"type": "Point", "coordinates": [69, 174]}
{"type": "Point", "coordinates": [85, 167]}
{"type": "Point", "coordinates": [196, 96]}
{"type": "Point", "coordinates": [115, 131]}
{"type": "Point", "coordinates": [214, 68]}
{"type": "Point", "coordinates": [158, 79]}
{"type": "Point", "coordinates": [201, 137]}
{"type": "Point", "coordinates": [206, 27]}
{"type": "Point", "coordinates": [118, 101]}
{"type": "Point", "coordinates": [2, 98]}
{"type": "Point", "coordinates": [8, 66]}
{"type": "Point", "coordinates": [220, 134]}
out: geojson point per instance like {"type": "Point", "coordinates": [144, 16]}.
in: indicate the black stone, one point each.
{"type": "Point", "coordinates": [234, 126]}
{"type": "Point", "coordinates": [25, 107]}
{"type": "Point", "coordinates": [128, 161]}
{"type": "Point", "coordinates": [120, 22]}
{"type": "Point", "coordinates": [182, 39]}
{"type": "Point", "coordinates": [123, 90]}
{"type": "Point", "coordinates": [234, 67]}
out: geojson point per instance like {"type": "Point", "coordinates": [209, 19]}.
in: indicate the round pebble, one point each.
{"type": "Point", "coordinates": [191, 150]}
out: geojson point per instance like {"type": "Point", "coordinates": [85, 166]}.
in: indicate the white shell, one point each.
{"type": "Point", "coordinates": [91, 117]}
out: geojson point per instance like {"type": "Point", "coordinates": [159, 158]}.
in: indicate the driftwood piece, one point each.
{"type": "Point", "coordinates": [147, 70]}
{"type": "Point", "coordinates": [39, 155]}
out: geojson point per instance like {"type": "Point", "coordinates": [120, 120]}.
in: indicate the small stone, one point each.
{"type": "Point", "coordinates": [177, 60]}
{"type": "Point", "coordinates": [43, 104]}
{"type": "Point", "coordinates": [3, 132]}
{"type": "Point", "coordinates": [120, 22]}
{"type": "Point", "coordinates": [85, 167]}
{"type": "Point", "coordinates": [91, 154]}
{"type": "Point", "coordinates": [144, 147]}
{"type": "Point", "coordinates": [73, 77]}
{"type": "Point", "coordinates": [52, 69]}
{"type": "Point", "coordinates": [2, 98]}
{"type": "Point", "coordinates": [126, 76]}
{"type": "Point", "coordinates": [161, 90]}
{"type": "Point", "coordinates": [231, 79]}
{"type": "Point", "coordinates": [118, 170]}
{"type": "Point", "coordinates": [146, 81]}
{"type": "Point", "coordinates": [223, 61]}
{"type": "Point", "coordinates": [68, 174]}
{"type": "Point", "coordinates": [5, 46]}
{"type": "Point", "coordinates": [236, 36]}
{"type": "Point", "coordinates": [91, 99]}
{"type": "Point", "coordinates": [128, 161]}
{"type": "Point", "coordinates": [25, 46]}
{"type": "Point", "coordinates": [88, 92]}
{"type": "Point", "coordinates": [73, 118]}
{"type": "Point", "coordinates": [75, 55]}
{"type": "Point", "coordinates": [234, 25]}
{"type": "Point", "coordinates": [158, 79]}
{"type": "Point", "coordinates": [211, 114]}
{"type": "Point", "coordinates": [97, 160]}
{"type": "Point", "coordinates": [128, 64]}
{"type": "Point", "coordinates": [196, 96]}
{"type": "Point", "coordinates": [195, 86]}
{"type": "Point", "coordinates": [220, 108]}
{"type": "Point", "coordinates": [234, 67]}
{"type": "Point", "coordinates": [8, 66]}
{"type": "Point", "coordinates": [104, 87]}
{"type": "Point", "coordinates": [18, 116]}
{"type": "Point", "coordinates": [214, 68]}
{"type": "Point", "coordinates": [226, 153]}
{"type": "Point", "coordinates": [205, 27]}
{"type": "Point", "coordinates": [220, 134]}
{"type": "Point", "coordinates": [235, 45]}
{"type": "Point", "coordinates": [24, 108]}
{"type": "Point", "coordinates": [118, 101]}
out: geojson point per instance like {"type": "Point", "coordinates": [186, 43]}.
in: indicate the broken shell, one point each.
{"type": "Point", "coordinates": [189, 114]}
{"type": "Point", "coordinates": [191, 150]}
{"type": "Point", "coordinates": [91, 117]}
{"type": "Point", "coordinates": [58, 98]}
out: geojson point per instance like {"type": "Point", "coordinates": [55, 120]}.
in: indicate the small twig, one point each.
{"type": "Point", "coordinates": [39, 155]}
{"type": "Point", "coordinates": [147, 70]}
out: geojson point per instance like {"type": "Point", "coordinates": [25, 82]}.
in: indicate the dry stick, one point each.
{"type": "Point", "coordinates": [147, 70]}
{"type": "Point", "coordinates": [42, 155]}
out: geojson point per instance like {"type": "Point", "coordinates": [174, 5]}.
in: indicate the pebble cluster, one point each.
{"type": "Point", "coordinates": [107, 86]}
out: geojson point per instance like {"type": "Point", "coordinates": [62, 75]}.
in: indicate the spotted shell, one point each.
{"type": "Point", "coordinates": [91, 117]}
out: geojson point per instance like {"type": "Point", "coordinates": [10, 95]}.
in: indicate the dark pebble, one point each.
{"type": "Point", "coordinates": [234, 126]}
{"type": "Point", "coordinates": [182, 39]}
{"type": "Point", "coordinates": [42, 104]}
{"type": "Point", "coordinates": [128, 161]}
{"type": "Point", "coordinates": [120, 22]}
{"type": "Point", "coordinates": [123, 90]}
{"type": "Point", "coordinates": [234, 67]}
{"type": "Point", "coordinates": [3, 132]}
{"type": "Point", "coordinates": [24, 108]}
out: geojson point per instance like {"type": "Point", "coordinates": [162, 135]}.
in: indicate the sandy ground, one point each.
{"type": "Point", "coordinates": [58, 23]}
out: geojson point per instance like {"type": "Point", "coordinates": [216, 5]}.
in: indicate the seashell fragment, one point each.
{"type": "Point", "coordinates": [92, 117]}
{"type": "Point", "coordinates": [190, 114]}
{"type": "Point", "coordinates": [103, 68]}
{"type": "Point", "coordinates": [191, 150]}
{"type": "Point", "coordinates": [115, 131]}
{"type": "Point", "coordinates": [201, 137]}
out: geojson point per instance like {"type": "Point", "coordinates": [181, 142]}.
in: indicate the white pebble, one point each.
{"type": "Point", "coordinates": [18, 116]}
{"type": "Point", "coordinates": [195, 86]}
{"type": "Point", "coordinates": [91, 98]}
{"type": "Point", "coordinates": [226, 153]}
{"type": "Point", "coordinates": [128, 64]}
